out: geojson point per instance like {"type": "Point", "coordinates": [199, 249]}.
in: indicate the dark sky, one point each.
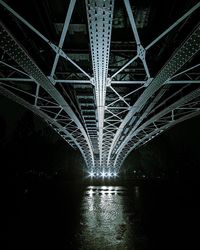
{"type": "Point", "coordinates": [29, 144]}
{"type": "Point", "coordinates": [175, 152]}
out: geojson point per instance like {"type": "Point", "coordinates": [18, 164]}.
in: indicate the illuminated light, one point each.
{"type": "Point", "coordinates": [91, 174]}
{"type": "Point", "coordinates": [137, 191]}
{"type": "Point", "coordinates": [103, 174]}
{"type": "Point", "coordinates": [109, 174]}
{"type": "Point", "coordinates": [90, 192]}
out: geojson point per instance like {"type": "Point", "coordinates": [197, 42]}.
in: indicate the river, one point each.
{"type": "Point", "coordinates": [62, 215]}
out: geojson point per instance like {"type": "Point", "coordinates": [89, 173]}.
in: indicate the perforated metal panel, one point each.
{"type": "Point", "coordinates": [100, 14]}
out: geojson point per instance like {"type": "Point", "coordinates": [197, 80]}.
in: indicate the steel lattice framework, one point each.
{"type": "Point", "coordinates": [110, 116]}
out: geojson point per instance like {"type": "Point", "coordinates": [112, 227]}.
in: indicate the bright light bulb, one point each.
{"type": "Point", "coordinates": [91, 174]}
{"type": "Point", "coordinates": [103, 174]}
{"type": "Point", "coordinates": [109, 174]}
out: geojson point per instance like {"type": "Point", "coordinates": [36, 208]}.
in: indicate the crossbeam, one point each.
{"type": "Point", "coordinates": [109, 102]}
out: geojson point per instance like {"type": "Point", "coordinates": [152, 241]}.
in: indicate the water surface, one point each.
{"type": "Point", "coordinates": [106, 218]}
{"type": "Point", "coordinates": [62, 216]}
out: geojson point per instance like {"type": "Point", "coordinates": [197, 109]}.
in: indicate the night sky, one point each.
{"type": "Point", "coordinates": [30, 147]}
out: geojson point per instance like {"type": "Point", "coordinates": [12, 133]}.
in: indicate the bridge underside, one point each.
{"type": "Point", "coordinates": [108, 76]}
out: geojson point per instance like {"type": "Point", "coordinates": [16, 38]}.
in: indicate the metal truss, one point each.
{"type": "Point", "coordinates": [180, 57]}
{"type": "Point", "coordinates": [183, 109]}
{"type": "Point", "coordinates": [53, 103]}
{"type": "Point", "coordinates": [107, 114]}
{"type": "Point", "coordinates": [100, 14]}
{"type": "Point", "coordinates": [56, 124]}
{"type": "Point", "coordinates": [145, 102]}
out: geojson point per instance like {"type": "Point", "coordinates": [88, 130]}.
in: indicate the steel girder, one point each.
{"type": "Point", "coordinates": [182, 55]}
{"type": "Point", "coordinates": [10, 46]}
{"type": "Point", "coordinates": [106, 126]}
{"type": "Point", "coordinates": [54, 123]}
{"type": "Point", "coordinates": [81, 83]}
{"type": "Point", "coordinates": [100, 14]}
{"type": "Point", "coordinates": [183, 109]}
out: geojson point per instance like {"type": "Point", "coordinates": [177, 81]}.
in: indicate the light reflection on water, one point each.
{"type": "Point", "coordinates": [105, 222]}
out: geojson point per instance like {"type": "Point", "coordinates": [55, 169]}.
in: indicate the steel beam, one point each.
{"type": "Point", "coordinates": [63, 35]}
{"type": "Point", "coordinates": [43, 115]}
{"type": "Point", "coordinates": [181, 104]}
{"type": "Point", "coordinates": [38, 33]}
{"type": "Point", "coordinates": [109, 116]}
{"type": "Point", "coordinates": [10, 46]}
{"type": "Point", "coordinates": [178, 59]}
{"type": "Point", "coordinates": [187, 14]}
{"type": "Point", "coordinates": [83, 82]}
{"type": "Point", "coordinates": [99, 14]}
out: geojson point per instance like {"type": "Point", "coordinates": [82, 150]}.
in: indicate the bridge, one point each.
{"type": "Point", "coordinates": [108, 76]}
